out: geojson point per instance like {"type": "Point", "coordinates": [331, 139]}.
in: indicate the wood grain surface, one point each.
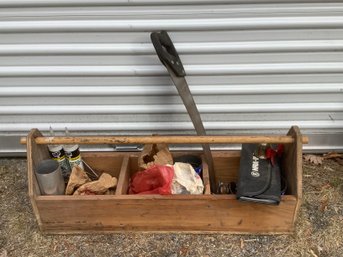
{"type": "Point", "coordinates": [165, 139]}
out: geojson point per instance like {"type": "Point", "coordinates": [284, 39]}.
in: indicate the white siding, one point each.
{"type": "Point", "coordinates": [254, 67]}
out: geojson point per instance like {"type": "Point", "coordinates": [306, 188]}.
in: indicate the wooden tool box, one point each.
{"type": "Point", "coordinates": [207, 213]}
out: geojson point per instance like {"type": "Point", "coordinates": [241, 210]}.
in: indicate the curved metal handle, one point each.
{"type": "Point", "coordinates": [167, 53]}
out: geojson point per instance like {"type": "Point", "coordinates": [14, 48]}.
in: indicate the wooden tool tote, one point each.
{"type": "Point", "coordinates": [208, 212]}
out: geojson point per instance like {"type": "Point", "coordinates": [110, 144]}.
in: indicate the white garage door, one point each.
{"type": "Point", "coordinates": [254, 67]}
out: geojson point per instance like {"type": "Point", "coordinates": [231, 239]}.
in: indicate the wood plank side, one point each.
{"type": "Point", "coordinates": [47, 231]}
{"type": "Point", "coordinates": [124, 177]}
{"type": "Point", "coordinates": [35, 154]}
{"type": "Point", "coordinates": [200, 215]}
{"type": "Point", "coordinates": [226, 167]}
{"type": "Point", "coordinates": [113, 154]}
{"type": "Point", "coordinates": [211, 197]}
{"type": "Point", "coordinates": [292, 164]}
{"type": "Point", "coordinates": [296, 164]}
{"type": "Point", "coordinates": [289, 168]}
{"type": "Point", "coordinates": [110, 164]}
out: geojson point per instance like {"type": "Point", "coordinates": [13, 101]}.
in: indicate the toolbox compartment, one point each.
{"type": "Point", "coordinates": [207, 213]}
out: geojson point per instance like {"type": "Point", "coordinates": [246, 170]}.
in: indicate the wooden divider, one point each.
{"type": "Point", "coordinates": [124, 177]}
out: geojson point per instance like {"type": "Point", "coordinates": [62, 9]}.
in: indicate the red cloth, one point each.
{"type": "Point", "coordinates": [271, 153]}
{"type": "Point", "coordinates": [154, 180]}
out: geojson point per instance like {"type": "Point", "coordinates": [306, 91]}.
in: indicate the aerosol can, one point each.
{"type": "Point", "coordinates": [73, 154]}
{"type": "Point", "coordinates": [57, 153]}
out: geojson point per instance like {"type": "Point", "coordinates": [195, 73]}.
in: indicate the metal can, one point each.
{"type": "Point", "coordinates": [50, 178]}
{"type": "Point", "coordinates": [57, 153]}
{"type": "Point", "coordinates": [73, 155]}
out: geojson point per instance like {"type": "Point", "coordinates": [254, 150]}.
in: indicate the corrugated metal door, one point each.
{"type": "Point", "coordinates": [253, 67]}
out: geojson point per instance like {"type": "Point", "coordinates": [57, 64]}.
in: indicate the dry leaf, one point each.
{"type": "Point", "coordinates": [251, 240]}
{"type": "Point", "coordinates": [326, 186]}
{"type": "Point", "coordinates": [3, 253]}
{"type": "Point", "coordinates": [324, 204]}
{"type": "Point", "coordinates": [339, 161]}
{"type": "Point", "coordinates": [183, 251]}
{"type": "Point", "coordinates": [315, 159]}
{"type": "Point", "coordinates": [313, 254]}
{"type": "Point", "coordinates": [332, 155]}
{"type": "Point", "coordinates": [242, 243]}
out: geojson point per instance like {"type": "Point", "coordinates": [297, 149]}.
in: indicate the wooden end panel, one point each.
{"type": "Point", "coordinates": [292, 163]}
{"type": "Point", "coordinates": [198, 215]}
{"type": "Point", "coordinates": [293, 167]}
{"type": "Point", "coordinates": [35, 154]}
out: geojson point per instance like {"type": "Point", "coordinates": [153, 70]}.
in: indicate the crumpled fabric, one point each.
{"type": "Point", "coordinates": [186, 180]}
{"type": "Point", "coordinates": [154, 180]}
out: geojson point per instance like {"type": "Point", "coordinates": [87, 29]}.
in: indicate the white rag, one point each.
{"type": "Point", "coordinates": [186, 180]}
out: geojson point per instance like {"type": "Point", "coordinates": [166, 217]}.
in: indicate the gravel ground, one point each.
{"type": "Point", "coordinates": [319, 229]}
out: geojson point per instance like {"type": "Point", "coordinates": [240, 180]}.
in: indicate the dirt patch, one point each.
{"type": "Point", "coordinates": [319, 230]}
